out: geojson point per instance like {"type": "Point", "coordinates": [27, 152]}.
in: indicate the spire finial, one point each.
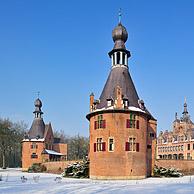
{"type": "Point", "coordinates": [120, 15]}
{"type": "Point", "coordinates": [38, 93]}
{"type": "Point", "coordinates": [176, 116]}
{"type": "Point", "coordinates": [185, 112]}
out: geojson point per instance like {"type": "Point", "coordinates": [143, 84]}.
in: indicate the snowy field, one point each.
{"type": "Point", "coordinates": [12, 183]}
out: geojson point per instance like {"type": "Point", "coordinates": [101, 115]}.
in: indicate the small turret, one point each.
{"type": "Point", "coordinates": [38, 127]}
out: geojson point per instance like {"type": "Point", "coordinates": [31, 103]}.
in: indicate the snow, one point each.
{"type": "Point", "coordinates": [132, 108]}
{"type": "Point", "coordinates": [135, 109]}
{"type": "Point", "coordinates": [34, 139]}
{"type": "Point", "coordinates": [47, 184]}
{"type": "Point", "coordinates": [53, 152]}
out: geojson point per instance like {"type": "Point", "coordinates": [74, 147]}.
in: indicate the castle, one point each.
{"type": "Point", "coordinates": [122, 130]}
{"type": "Point", "coordinates": [177, 144]}
{"type": "Point", "coordinates": [40, 145]}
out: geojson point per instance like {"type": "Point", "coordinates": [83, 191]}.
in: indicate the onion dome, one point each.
{"type": "Point", "coordinates": [119, 35]}
{"type": "Point", "coordinates": [38, 103]}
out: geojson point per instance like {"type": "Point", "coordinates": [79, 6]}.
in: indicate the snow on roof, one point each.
{"type": "Point", "coordinates": [132, 108]}
{"type": "Point", "coordinates": [34, 139]}
{"type": "Point", "coordinates": [135, 109]}
{"type": "Point", "coordinates": [53, 152]}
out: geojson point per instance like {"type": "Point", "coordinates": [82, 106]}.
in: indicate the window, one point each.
{"type": "Point", "coordinates": [152, 135]}
{"type": "Point", "coordinates": [123, 62]}
{"type": "Point", "coordinates": [132, 122]}
{"type": "Point", "coordinates": [188, 146]}
{"type": "Point", "coordinates": [34, 146]}
{"type": "Point", "coordinates": [34, 155]}
{"type": "Point", "coordinates": [111, 144]}
{"type": "Point", "coordinates": [118, 58]}
{"type": "Point", "coordinates": [100, 123]}
{"type": "Point", "coordinates": [100, 145]}
{"type": "Point", "coordinates": [149, 147]}
{"type": "Point", "coordinates": [131, 145]}
{"type": "Point", "coordinates": [189, 156]}
{"type": "Point", "coordinates": [109, 102]}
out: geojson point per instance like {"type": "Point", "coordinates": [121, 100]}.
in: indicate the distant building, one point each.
{"type": "Point", "coordinates": [122, 131]}
{"type": "Point", "coordinates": [178, 143]}
{"type": "Point", "coordinates": [39, 145]}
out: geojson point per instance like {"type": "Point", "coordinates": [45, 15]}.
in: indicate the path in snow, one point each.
{"type": "Point", "coordinates": [46, 184]}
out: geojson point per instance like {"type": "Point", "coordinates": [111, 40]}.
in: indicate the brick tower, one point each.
{"type": "Point", "coordinates": [39, 144]}
{"type": "Point", "coordinates": [122, 131]}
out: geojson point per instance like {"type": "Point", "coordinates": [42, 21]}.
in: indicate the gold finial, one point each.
{"type": "Point", "coordinates": [120, 15]}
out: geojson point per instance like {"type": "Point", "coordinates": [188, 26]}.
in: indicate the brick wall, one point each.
{"type": "Point", "coordinates": [27, 151]}
{"type": "Point", "coordinates": [58, 166]}
{"type": "Point", "coordinates": [185, 166]}
{"type": "Point", "coordinates": [119, 164]}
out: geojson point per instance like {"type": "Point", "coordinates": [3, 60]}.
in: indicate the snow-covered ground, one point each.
{"type": "Point", "coordinates": [12, 183]}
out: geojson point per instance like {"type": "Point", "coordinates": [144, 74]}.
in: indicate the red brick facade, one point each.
{"type": "Point", "coordinates": [122, 162]}
{"type": "Point", "coordinates": [177, 144]}
{"type": "Point", "coordinates": [40, 145]}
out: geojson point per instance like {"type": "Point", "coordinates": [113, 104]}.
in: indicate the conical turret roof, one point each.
{"type": "Point", "coordinates": [119, 76]}
{"type": "Point", "coordinates": [37, 129]}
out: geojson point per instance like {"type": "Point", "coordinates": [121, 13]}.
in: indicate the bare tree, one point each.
{"type": "Point", "coordinates": [11, 135]}
{"type": "Point", "coordinates": [77, 145]}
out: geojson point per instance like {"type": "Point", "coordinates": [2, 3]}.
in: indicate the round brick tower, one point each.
{"type": "Point", "coordinates": [122, 131]}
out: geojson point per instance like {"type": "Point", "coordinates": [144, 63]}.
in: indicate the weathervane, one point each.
{"type": "Point", "coordinates": [120, 15]}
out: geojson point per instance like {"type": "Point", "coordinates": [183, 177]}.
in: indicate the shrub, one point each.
{"type": "Point", "coordinates": [166, 172]}
{"type": "Point", "coordinates": [36, 167]}
{"type": "Point", "coordinates": [77, 170]}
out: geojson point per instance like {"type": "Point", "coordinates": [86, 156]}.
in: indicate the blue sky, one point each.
{"type": "Point", "coordinates": [60, 49]}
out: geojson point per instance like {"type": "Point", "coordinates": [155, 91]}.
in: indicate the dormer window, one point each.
{"type": "Point", "coordinates": [109, 101]}
{"type": "Point", "coordinates": [125, 102]}
{"type": "Point", "coordinates": [141, 104]}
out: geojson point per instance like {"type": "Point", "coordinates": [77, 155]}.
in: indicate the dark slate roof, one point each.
{"type": "Point", "coordinates": [58, 140]}
{"type": "Point", "coordinates": [119, 76]}
{"type": "Point", "coordinates": [37, 129]}
{"type": "Point", "coordinates": [46, 130]}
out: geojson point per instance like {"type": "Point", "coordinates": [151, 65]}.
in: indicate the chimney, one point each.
{"type": "Point", "coordinates": [91, 101]}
